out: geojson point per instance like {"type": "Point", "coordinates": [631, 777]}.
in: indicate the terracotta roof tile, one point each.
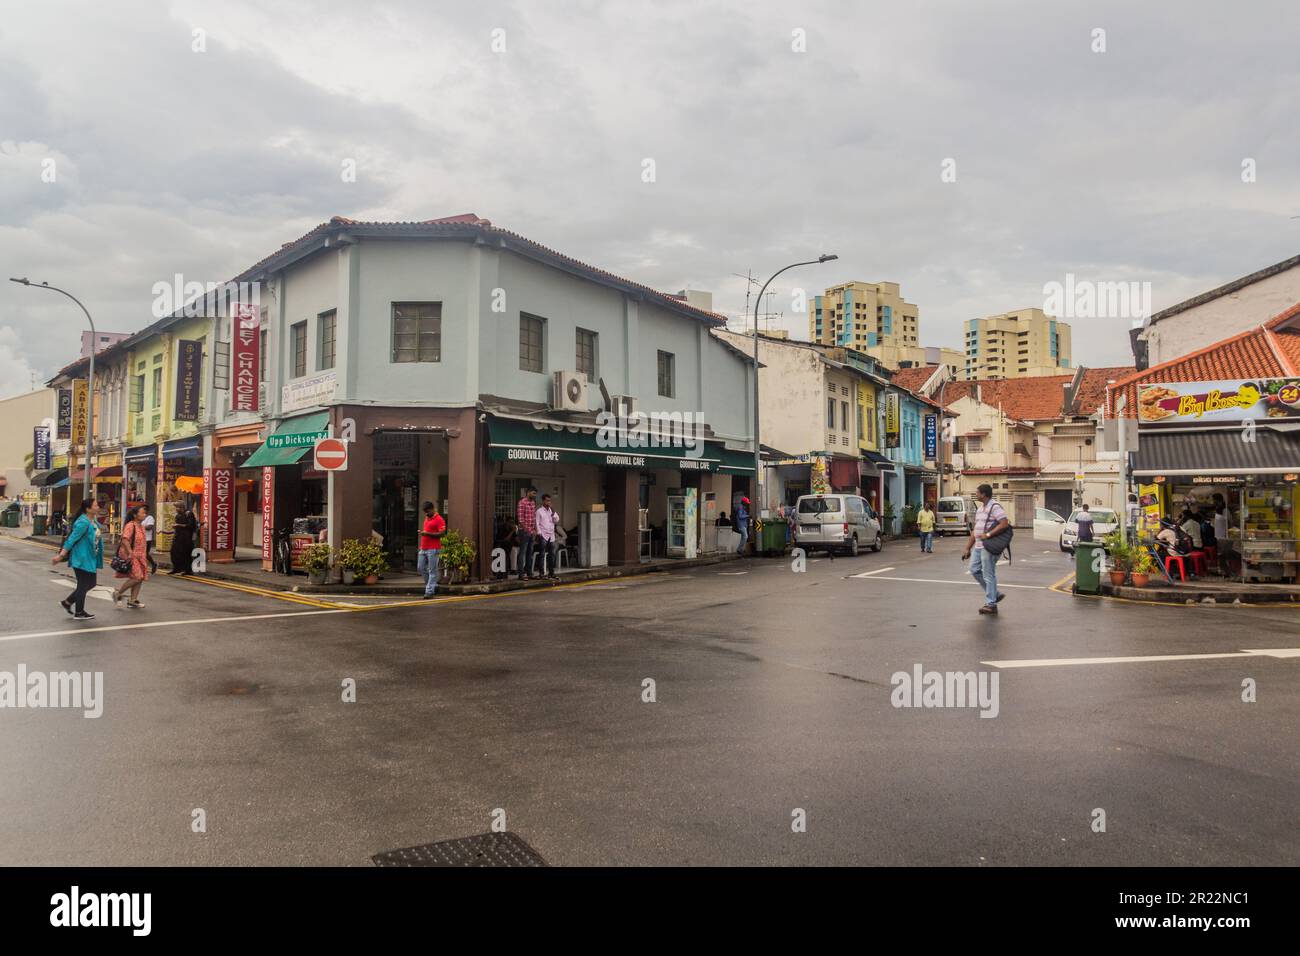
{"type": "Point", "coordinates": [913, 378]}
{"type": "Point", "coordinates": [1270, 351]}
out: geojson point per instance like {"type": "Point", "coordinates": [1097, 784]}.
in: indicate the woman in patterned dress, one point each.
{"type": "Point", "coordinates": [133, 546]}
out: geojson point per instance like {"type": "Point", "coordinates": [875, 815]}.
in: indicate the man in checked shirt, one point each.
{"type": "Point", "coordinates": [527, 515]}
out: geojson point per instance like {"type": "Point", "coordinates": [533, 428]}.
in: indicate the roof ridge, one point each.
{"type": "Point", "coordinates": [1278, 354]}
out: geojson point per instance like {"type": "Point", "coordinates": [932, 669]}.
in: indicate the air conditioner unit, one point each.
{"type": "Point", "coordinates": [569, 392]}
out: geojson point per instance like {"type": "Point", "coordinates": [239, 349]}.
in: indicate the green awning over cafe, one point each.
{"type": "Point", "coordinates": [523, 441]}
{"type": "Point", "coordinates": [287, 444]}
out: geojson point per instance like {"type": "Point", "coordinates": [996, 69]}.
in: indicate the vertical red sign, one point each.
{"type": "Point", "coordinates": [245, 371]}
{"type": "Point", "coordinates": [268, 515]}
{"type": "Point", "coordinates": [205, 507]}
{"type": "Point", "coordinates": [222, 497]}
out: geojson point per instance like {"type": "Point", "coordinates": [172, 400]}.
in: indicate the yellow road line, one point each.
{"type": "Point", "coordinates": [290, 596]}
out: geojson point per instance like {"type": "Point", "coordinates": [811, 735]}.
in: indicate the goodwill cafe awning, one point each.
{"type": "Point", "coordinates": [288, 443]}
{"type": "Point", "coordinates": [1269, 450]}
{"type": "Point", "coordinates": [542, 442]}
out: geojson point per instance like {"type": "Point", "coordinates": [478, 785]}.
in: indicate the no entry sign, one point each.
{"type": "Point", "coordinates": [331, 454]}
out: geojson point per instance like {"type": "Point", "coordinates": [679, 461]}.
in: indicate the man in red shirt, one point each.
{"type": "Point", "coordinates": [527, 515]}
{"type": "Point", "coordinates": [430, 547]}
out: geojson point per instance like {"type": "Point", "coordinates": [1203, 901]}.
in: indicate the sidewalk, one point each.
{"type": "Point", "coordinates": [1207, 591]}
{"type": "Point", "coordinates": [250, 573]}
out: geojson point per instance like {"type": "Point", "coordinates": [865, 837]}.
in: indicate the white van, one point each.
{"type": "Point", "coordinates": [953, 515]}
{"type": "Point", "coordinates": [836, 522]}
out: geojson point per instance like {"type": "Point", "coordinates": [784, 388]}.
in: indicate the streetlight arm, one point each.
{"type": "Point", "coordinates": [90, 379]}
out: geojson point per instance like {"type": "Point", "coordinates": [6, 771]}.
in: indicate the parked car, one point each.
{"type": "Point", "coordinates": [1104, 521]}
{"type": "Point", "coordinates": [836, 523]}
{"type": "Point", "coordinates": [1048, 525]}
{"type": "Point", "coordinates": [953, 515]}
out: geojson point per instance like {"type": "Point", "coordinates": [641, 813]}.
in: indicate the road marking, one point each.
{"type": "Point", "coordinates": [99, 591]}
{"type": "Point", "coordinates": [868, 574]}
{"type": "Point", "coordinates": [189, 622]}
{"type": "Point", "coordinates": [290, 596]}
{"type": "Point", "coordinates": [1069, 661]}
{"type": "Point", "coordinates": [967, 581]}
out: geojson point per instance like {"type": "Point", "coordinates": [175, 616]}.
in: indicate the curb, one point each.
{"type": "Point", "coordinates": [1192, 596]}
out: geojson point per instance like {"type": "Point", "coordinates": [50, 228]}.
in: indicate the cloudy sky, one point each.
{"type": "Point", "coordinates": [1122, 165]}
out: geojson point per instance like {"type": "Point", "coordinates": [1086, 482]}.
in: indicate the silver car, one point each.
{"type": "Point", "coordinates": [836, 522]}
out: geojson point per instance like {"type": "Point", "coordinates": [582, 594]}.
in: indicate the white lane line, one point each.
{"type": "Point", "coordinates": [867, 574]}
{"type": "Point", "coordinates": [967, 581]}
{"type": "Point", "coordinates": [99, 591]}
{"type": "Point", "coordinates": [188, 622]}
{"type": "Point", "coordinates": [1069, 661]}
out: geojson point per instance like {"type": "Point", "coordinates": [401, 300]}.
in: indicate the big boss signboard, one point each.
{"type": "Point", "coordinates": [1219, 403]}
{"type": "Point", "coordinates": [245, 371]}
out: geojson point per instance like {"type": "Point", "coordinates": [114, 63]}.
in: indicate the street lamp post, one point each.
{"type": "Point", "coordinates": [90, 381]}
{"type": "Point", "coordinates": [758, 466]}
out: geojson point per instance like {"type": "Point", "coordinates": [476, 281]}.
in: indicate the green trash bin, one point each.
{"type": "Point", "coordinates": [1089, 561]}
{"type": "Point", "coordinates": [771, 539]}
{"type": "Point", "coordinates": [38, 525]}
{"type": "Point", "coordinates": [11, 518]}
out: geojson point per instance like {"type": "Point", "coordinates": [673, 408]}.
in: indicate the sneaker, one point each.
{"type": "Point", "coordinates": [989, 609]}
{"type": "Point", "coordinates": [117, 600]}
{"type": "Point", "coordinates": [67, 606]}
{"type": "Point", "coordinates": [1000, 597]}
{"type": "Point", "coordinates": [134, 604]}
{"type": "Point", "coordinates": [83, 616]}
{"type": "Point", "coordinates": [427, 596]}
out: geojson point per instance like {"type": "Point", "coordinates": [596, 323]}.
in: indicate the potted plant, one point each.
{"type": "Point", "coordinates": [1121, 558]}
{"type": "Point", "coordinates": [1143, 565]}
{"type": "Point", "coordinates": [909, 520]}
{"type": "Point", "coordinates": [888, 514]}
{"type": "Point", "coordinates": [316, 560]}
{"type": "Point", "coordinates": [365, 559]}
{"type": "Point", "coordinates": [457, 555]}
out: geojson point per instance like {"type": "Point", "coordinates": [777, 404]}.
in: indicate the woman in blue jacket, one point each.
{"type": "Point", "coordinates": [84, 551]}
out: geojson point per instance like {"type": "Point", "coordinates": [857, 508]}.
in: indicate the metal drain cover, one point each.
{"type": "Point", "coordinates": [486, 849]}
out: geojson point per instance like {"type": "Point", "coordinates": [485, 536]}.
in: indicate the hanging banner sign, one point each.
{"type": "Point", "coordinates": [268, 516]}
{"type": "Point", "coordinates": [189, 377]}
{"type": "Point", "coordinates": [245, 358]}
{"type": "Point", "coordinates": [40, 449]}
{"type": "Point", "coordinates": [65, 413]}
{"type": "Point", "coordinates": [80, 411]}
{"type": "Point", "coordinates": [931, 437]}
{"type": "Point", "coordinates": [892, 427]}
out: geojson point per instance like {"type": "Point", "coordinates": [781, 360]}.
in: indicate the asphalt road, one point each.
{"type": "Point", "coordinates": [772, 694]}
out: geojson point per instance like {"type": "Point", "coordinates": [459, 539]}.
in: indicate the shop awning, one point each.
{"type": "Point", "coordinates": [47, 478]}
{"type": "Point", "coordinates": [543, 443]}
{"type": "Point", "coordinates": [141, 453]}
{"type": "Point", "coordinates": [882, 463]}
{"type": "Point", "coordinates": [1219, 451]}
{"type": "Point", "coordinates": [287, 444]}
{"type": "Point", "coordinates": [183, 448]}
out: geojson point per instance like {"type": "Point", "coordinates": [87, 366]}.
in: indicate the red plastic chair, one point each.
{"type": "Point", "coordinates": [1169, 565]}
{"type": "Point", "coordinates": [1211, 554]}
{"type": "Point", "coordinates": [1198, 562]}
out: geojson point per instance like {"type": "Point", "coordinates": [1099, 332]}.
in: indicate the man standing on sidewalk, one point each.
{"type": "Point", "coordinates": [547, 523]}
{"type": "Point", "coordinates": [430, 548]}
{"type": "Point", "coordinates": [742, 524]}
{"type": "Point", "coordinates": [149, 524]}
{"type": "Point", "coordinates": [925, 525]}
{"type": "Point", "coordinates": [990, 520]}
{"type": "Point", "coordinates": [527, 516]}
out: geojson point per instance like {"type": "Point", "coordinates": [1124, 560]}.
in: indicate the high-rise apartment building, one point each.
{"type": "Point", "coordinates": [1018, 344]}
{"type": "Point", "coordinates": [872, 317]}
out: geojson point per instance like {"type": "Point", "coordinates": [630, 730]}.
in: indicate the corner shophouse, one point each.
{"type": "Point", "coordinates": [436, 345]}
{"type": "Point", "coordinates": [1225, 420]}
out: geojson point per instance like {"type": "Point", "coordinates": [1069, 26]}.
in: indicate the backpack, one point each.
{"type": "Point", "coordinates": [1000, 541]}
